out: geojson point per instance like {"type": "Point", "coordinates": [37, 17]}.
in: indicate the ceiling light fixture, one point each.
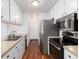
{"type": "Point", "coordinates": [35, 2]}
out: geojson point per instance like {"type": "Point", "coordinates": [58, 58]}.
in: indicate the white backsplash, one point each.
{"type": "Point", "coordinates": [3, 31]}
{"type": "Point", "coordinates": [8, 28]}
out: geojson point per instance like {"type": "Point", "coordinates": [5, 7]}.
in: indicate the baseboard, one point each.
{"type": "Point", "coordinates": [33, 39]}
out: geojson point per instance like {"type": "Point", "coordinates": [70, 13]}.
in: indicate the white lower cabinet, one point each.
{"type": "Point", "coordinates": [21, 48]}
{"type": "Point", "coordinates": [17, 51]}
{"type": "Point", "coordinates": [69, 55]}
{"type": "Point", "coordinates": [8, 55]}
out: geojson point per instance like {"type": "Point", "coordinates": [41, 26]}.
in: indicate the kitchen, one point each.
{"type": "Point", "coordinates": [30, 28]}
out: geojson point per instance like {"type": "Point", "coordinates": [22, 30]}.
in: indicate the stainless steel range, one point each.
{"type": "Point", "coordinates": [70, 38]}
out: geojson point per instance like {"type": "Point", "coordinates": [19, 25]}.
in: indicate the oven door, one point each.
{"type": "Point", "coordinates": [54, 51]}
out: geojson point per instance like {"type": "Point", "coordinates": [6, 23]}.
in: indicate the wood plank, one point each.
{"type": "Point", "coordinates": [33, 51]}
{"type": "Point", "coordinates": [45, 56]}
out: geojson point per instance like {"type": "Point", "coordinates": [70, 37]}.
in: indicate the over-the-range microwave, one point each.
{"type": "Point", "coordinates": [68, 22]}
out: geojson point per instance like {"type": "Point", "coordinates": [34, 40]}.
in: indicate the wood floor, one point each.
{"type": "Point", "coordinates": [33, 52]}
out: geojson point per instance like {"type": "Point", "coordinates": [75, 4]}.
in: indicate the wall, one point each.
{"type": "Point", "coordinates": [3, 31]}
{"type": "Point", "coordinates": [26, 26]}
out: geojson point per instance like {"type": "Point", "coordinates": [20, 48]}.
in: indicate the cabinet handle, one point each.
{"type": "Point", "coordinates": [69, 56]}
{"type": "Point", "coordinates": [13, 57]}
{"type": "Point", "coordinates": [23, 45]}
{"type": "Point", "coordinates": [16, 47]}
{"type": "Point", "coordinates": [1, 16]}
{"type": "Point", "coordinates": [55, 46]}
{"type": "Point", "coordinates": [65, 12]}
{"type": "Point", "coordinates": [8, 56]}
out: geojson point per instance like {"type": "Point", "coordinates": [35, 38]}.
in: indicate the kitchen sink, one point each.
{"type": "Point", "coordinates": [14, 38]}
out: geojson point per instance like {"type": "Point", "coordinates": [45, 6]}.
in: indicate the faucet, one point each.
{"type": "Point", "coordinates": [12, 34]}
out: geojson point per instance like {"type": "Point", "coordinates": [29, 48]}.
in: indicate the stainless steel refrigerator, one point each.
{"type": "Point", "coordinates": [47, 28]}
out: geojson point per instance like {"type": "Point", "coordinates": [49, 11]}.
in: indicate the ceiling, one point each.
{"type": "Point", "coordinates": [44, 5]}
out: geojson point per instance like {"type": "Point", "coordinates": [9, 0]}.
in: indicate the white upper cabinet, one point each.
{"type": "Point", "coordinates": [60, 8]}
{"type": "Point", "coordinates": [18, 15]}
{"type": "Point", "coordinates": [52, 13]}
{"type": "Point", "coordinates": [56, 10]}
{"type": "Point", "coordinates": [70, 6]}
{"type": "Point", "coordinates": [5, 10]}
{"type": "Point", "coordinates": [15, 13]}
{"type": "Point", "coordinates": [64, 7]}
{"type": "Point", "coordinates": [12, 11]}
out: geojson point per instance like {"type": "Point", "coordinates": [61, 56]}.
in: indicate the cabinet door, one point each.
{"type": "Point", "coordinates": [18, 15]}
{"type": "Point", "coordinates": [15, 52]}
{"type": "Point", "coordinates": [18, 51]}
{"type": "Point", "coordinates": [12, 11]}
{"type": "Point", "coordinates": [8, 55]}
{"type": "Point", "coordinates": [4, 57]}
{"type": "Point", "coordinates": [5, 10]}
{"type": "Point", "coordinates": [15, 12]}
{"type": "Point", "coordinates": [56, 11]}
{"type": "Point", "coordinates": [54, 52]}
{"type": "Point", "coordinates": [70, 6]}
{"type": "Point", "coordinates": [52, 13]}
{"type": "Point", "coordinates": [60, 8]}
{"type": "Point", "coordinates": [22, 47]}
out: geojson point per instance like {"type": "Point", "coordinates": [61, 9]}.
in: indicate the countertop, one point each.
{"type": "Point", "coordinates": [72, 49]}
{"type": "Point", "coordinates": [8, 45]}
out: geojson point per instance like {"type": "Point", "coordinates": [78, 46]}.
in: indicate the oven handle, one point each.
{"type": "Point", "coordinates": [55, 46]}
